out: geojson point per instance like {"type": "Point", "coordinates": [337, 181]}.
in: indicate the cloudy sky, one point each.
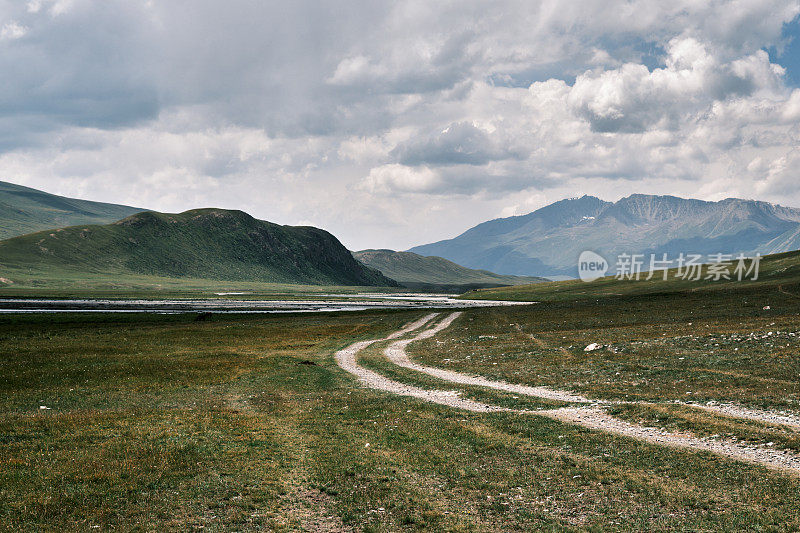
{"type": "Point", "coordinates": [393, 124]}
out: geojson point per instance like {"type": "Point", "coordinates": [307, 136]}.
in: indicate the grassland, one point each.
{"type": "Point", "coordinates": [660, 351]}
{"type": "Point", "coordinates": [691, 346]}
{"type": "Point", "coordinates": [245, 422]}
{"type": "Point", "coordinates": [776, 271]}
{"type": "Point", "coordinates": [37, 284]}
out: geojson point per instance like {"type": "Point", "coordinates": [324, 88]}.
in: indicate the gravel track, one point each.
{"type": "Point", "coordinates": [600, 420]}
{"type": "Point", "coordinates": [761, 415]}
{"type": "Point", "coordinates": [588, 417]}
{"type": "Point", "coordinates": [346, 359]}
{"type": "Point", "coordinates": [396, 352]}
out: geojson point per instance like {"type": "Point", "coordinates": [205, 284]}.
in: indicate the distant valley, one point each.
{"type": "Point", "coordinates": [435, 273]}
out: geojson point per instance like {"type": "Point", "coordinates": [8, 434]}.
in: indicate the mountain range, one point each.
{"type": "Point", "coordinates": [231, 245]}
{"type": "Point", "coordinates": [25, 210]}
{"type": "Point", "coordinates": [214, 244]}
{"type": "Point", "coordinates": [435, 273]}
{"type": "Point", "coordinates": [200, 244]}
{"type": "Point", "coordinates": [548, 241]}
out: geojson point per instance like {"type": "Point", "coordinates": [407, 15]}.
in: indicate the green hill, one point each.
{"type": "Point", "coordinates": [212, 244]}
{"type": "Point", "coordinates": [420, 272]}
{"type": "Point", "coordinates": [25, 210]}
{"type": "Point", "coordinates": [777, 272]}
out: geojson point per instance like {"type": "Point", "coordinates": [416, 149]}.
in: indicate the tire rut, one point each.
{"type": "Point", "coordinates": [591, 417]}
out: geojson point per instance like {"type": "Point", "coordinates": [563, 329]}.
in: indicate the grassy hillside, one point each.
{"type": "Point", "coordinates": [25, 210]}
{"type": "Point", "coordinates": [416, 271]}
{"type": "Point", "coordinates": [136, 286]}
{"type": "Point", "coordinates": [778, 271]}
{"type": "Point", "coordinates": [212, 244]}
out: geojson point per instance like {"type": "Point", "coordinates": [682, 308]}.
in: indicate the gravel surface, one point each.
{"type": "Point", "coordinates": [346, 359]}
{"type": "Point", "coordinates": [600, 420]}
{"type": "Point", "coordinates": [396, 352]}
{"type": "Point", "coordinates": [588, 417]}
{"type": "Point", "coordinates": [762, 415]}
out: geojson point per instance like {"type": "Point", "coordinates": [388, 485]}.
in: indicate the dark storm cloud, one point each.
{"type": "Point", "coordinates": [87, 66]}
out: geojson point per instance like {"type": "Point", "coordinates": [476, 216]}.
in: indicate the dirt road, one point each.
{"type": "Point", "coordinates": [592, 417]}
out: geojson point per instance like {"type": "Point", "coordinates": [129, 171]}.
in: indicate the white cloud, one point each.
{"type": "Point", "coordinates": [12, 30]}
{"type": "Point", "coordinates": [367, 117]}
{"type": "Point", "coordinates": [634, 99]}
{"type": "Point", "coordinates": [780, 175]}
{"type": "Point", "coordinates": [351, 70]}
{"type": "Point", "coordinates": [401, 178]}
